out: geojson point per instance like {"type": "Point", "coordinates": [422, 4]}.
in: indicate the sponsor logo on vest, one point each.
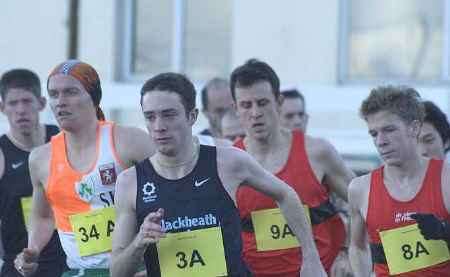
{"type": "Point", "coordinates": [85, 190]}
{"type": "Point", "coordinates": [17, 165]}
{"type": "Point", "coordinates": [403, 216]}
{"type": "Point", "coordinates": [108, 174]}
{"type": "Point", "coordinates": [149, 191]}
{"type": "Point", "coordinates": [189, 222]}
{"type": "Point", "coordinates": [199, 184]}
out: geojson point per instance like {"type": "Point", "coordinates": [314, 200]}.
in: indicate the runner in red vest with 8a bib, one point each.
{"type": "Point", "coordinates": [403, 206]}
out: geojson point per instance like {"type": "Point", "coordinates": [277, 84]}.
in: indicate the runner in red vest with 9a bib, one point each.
{"type": "Point", "coordinates": [311, 166]}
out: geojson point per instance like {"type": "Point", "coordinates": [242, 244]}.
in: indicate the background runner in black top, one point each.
{"type": "Point", "coordinates": [14, 185]}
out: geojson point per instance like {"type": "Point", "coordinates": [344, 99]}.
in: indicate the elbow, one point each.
{"type": "Point", "coordinates": [286, 193]}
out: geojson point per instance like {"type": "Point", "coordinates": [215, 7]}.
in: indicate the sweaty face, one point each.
{"type": "Point", "coordinates": [394, 139]}
{"type": "Point", "coordinates": [219, 102]}
{"type": "Point", "coordinates": [166, 121]}
{"type": "Point", "coordinates": [430, 142]}
{"type": "Point", "coordinates": [71, 104]}
{"type": "Point", "coordinates": [258, 110]}
{"type": "Point", "coordinates": [293, 114]}
{"type": "Point", "coordinates": [22, 108]}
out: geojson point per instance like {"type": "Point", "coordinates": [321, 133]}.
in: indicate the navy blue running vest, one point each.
{"type": "Point", "coordinates": [198, 194]}
{"type": "Point", "coordinates": [15, 184]}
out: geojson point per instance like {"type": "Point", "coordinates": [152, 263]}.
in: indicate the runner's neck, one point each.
{"type": "Point", "coordinates": [30, 140]}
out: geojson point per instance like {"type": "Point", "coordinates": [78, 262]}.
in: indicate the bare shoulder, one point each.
{"type": "Point", "coordinates": [125, 194]}
{"type": "Point", "coordinates": [40, 154]}
{"type": "Point", "coordinates": [318, 147]}
{"type": "Point", "coordinates": [445, 183]}
{"type": "Point", "coordinates": [128, 133]}
{"type": "Point", "coordinates": [2, 163]}
{"type": "Point", "coordinates": [128, 175]}
{"type": "Point", "coordinates": [133, 144]}
{"type": "Point", "coordinates": [222, 142]}
{"type": "Point", "coordinates": [231, 157]}
{"type": "Point", "coordinates": [39, 162]}
{"type": "Point", "coordinates": [358, 190]}
{"type": "Point", "coordinates": [234, 163]}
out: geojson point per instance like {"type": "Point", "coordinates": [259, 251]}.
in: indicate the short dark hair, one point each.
{"type": "Point", "coordinates": [402, 101]}
{"type": "Point", "coordinates": [172, 82]}
{"type": "Point", "coordinates": [438, 119]}
{"type": "Point", "coordinates": [292, 94]}
{"type": "Point", "coordinates": [216, 83]}
{"type": "Point", "coordinates": [20, 78]}
{"type": "Point", "coordinates": [251, 72]}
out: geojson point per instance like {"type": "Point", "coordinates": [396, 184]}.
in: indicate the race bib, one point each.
{"type": "Point", "coordinates": [272, 231]}
{"type": "Point", "coordinates": [93, 230]}
{"type": "Point", "coordinates": [25, 202]}
{"type": "Point", "coordinates": [407, 250]}
{"type": "Point", "coordinates": [193, 253]}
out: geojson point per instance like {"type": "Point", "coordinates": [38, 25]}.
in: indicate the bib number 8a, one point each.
{"type": "Point", "coordinates": [409, 252]}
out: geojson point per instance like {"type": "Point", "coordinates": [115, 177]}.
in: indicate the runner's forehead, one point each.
{"type": "Point", "coordinates": [157, 101]}
{"type": "Point", "coordinates": [60, 81]}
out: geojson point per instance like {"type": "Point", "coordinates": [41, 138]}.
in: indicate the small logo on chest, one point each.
{"type": "Point", "coordinates": [108, 174]}
{"type": "Point", "coordinates": [85, 190]}
{"type": "Point", "coordinates": [17, 165]}
{"type": "Point", "coordinates": [403, 216]}
{"type": "Point", "coordinates": [149, 191]}
{"type": "Point", "coordinates": [200, 183]}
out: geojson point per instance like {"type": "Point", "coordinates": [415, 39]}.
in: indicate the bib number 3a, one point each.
{"type": "Point", "coordinates": [93, 231]}
{"type": "Point", "coordinates": [193, 253]}
{"type": "Point", "coordinates": [406, 250]}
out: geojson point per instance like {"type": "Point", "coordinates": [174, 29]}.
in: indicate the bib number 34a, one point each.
{"type": "Point", "coordinates": [93, 231]}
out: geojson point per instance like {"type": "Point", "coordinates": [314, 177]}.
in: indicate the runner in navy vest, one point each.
{"type": "Point", "coordinates": [177, 208]}
{"type": "Point", "coordinates": [20, 92]}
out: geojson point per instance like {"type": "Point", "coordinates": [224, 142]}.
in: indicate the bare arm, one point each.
{"type": "Point", "coordinates": [2, 171]}
{"type": "Point", "coordinates": [241, 168]}
{"type": "Point", "coordinates": [359, 247]}
{"type": "Point", "coordinates": [42, 223]}
{"type": "Point", "coordinates": [128, 247]}
{"type": "Point", "coordinates": [125, 257]}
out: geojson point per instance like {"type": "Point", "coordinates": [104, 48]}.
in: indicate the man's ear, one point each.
{"type": "Point", "coordinates": [280, 99]}
{"type": "Point", "coordinates": [447, 144]}
{"type": "Point", "coordinates": [415, 128]}
{"type": "Point", "coordinates": [42, 102]}
{"type": "Point", "coordinates": [193, 115]}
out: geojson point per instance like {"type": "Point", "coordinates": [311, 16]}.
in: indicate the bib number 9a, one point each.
{"type": "Point", "coordinates": [281, 232]}
{"type": "Point", "coordinates": [272, 231]}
